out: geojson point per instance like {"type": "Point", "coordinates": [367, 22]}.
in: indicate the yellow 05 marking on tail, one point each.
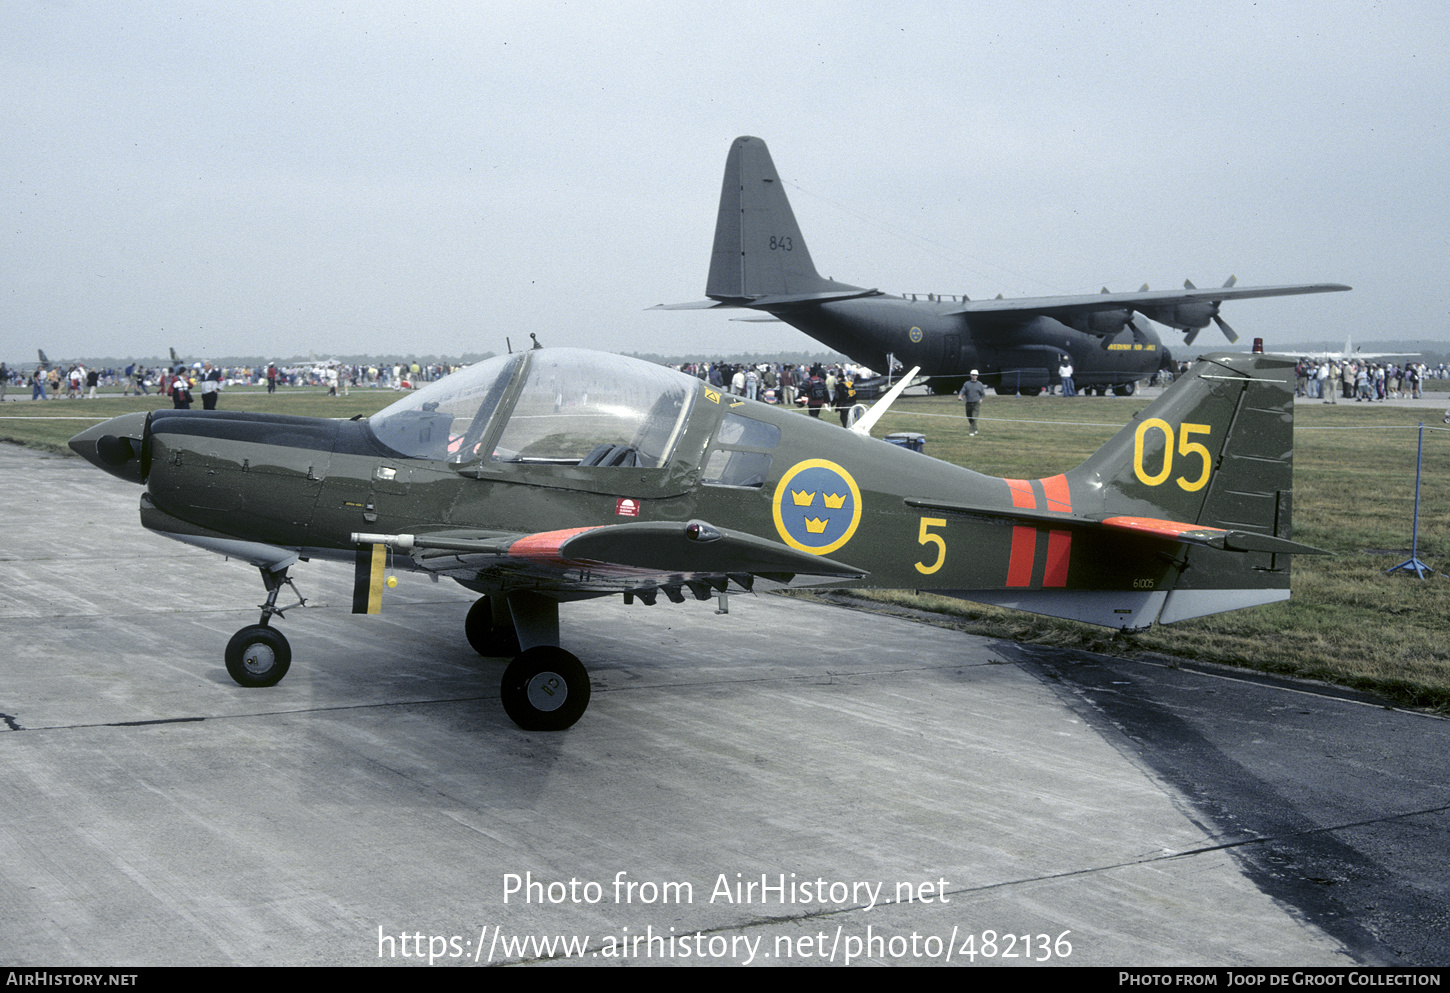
{"type": "Point", "coordinates": [1186, 447]}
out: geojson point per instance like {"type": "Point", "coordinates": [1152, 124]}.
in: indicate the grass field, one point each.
{"type": "Point", "coordinates": [1348, 622]}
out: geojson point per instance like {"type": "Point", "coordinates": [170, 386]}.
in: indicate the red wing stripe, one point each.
{"type": "Point", "coordinates": [1022, 495]}
{"type": "Point", "coordinates": [545, 545]}
{"type": "Point", "coordinates": [1024, 550]}
{"type": "Point", "coordinates": [1059, 552]}
{"type": "Point", "coordinates": [1166, 529]}
{"type": "Point", "coordinates": [1059, 498]}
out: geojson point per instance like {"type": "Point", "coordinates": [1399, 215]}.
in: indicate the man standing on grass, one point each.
{"type": "Point", "coordinates": [972, 392]}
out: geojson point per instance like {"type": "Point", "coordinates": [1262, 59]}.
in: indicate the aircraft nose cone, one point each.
{"type": "Point", "coordinates": [114, 446]}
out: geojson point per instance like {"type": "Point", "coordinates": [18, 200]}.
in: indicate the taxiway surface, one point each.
{"type": "Point", "coordinates": [377, 804]}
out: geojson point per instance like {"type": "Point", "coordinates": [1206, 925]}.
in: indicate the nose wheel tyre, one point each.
{"type": "Point", "coordinates": [258, 656]}
{"type": "Point", "coordinates": [545, 689]}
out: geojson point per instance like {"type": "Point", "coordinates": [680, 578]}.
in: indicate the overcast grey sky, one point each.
{"type": "Point", "coordinates": [349, 177]}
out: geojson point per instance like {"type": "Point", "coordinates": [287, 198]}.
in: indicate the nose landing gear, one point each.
{"type": "Point", "coordinates": [259, 655]}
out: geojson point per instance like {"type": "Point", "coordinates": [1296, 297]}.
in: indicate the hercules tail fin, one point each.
{"type": "Point", "coordinates": [759, 250]}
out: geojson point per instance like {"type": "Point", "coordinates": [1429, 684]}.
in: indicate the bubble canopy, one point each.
{"type": "Point", "coordinates": [563, 406]}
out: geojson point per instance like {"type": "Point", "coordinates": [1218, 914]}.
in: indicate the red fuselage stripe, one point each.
{"type": "Point", "coordinates": [1059, 551]}
{"type": "Point", "coordinates": [1024, 550]}
{"type": "Point", "coordinates": [1059, 498]}
{"type": "Point", "coordinates": [1022, 495]}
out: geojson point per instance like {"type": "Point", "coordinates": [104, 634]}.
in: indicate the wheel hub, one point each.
{"type": "Point", "coordinates": [547, 691]}
{"type": "Point", "coordinates": [259, 659]}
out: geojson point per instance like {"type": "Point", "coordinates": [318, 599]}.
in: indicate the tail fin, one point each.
{"type": "Point", "coordinates": [1217, 450]}
{"type": "Point", "coordinates": [1185, 512]}
{"type": "Point", "coordinates": [1210, 466]}
{"type": "Point", "coordinates": [759, 250]}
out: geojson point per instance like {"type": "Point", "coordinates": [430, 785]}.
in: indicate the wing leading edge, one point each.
{"type": "Point", "coordinates": [1087, 302]}
{"type": "Point", "coordinates": [640, 557]}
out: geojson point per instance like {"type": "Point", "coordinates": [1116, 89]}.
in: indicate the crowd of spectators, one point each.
{"type": "Point", "coordinates": [815, 387]}
{"type": "Point", "coordinates": [1332, 380]}
{"type": "Point", "coordinates": [75, 381]}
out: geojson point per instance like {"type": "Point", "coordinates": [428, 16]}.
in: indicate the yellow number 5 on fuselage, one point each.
{"type": "Point", "coordinates": [925, 538]}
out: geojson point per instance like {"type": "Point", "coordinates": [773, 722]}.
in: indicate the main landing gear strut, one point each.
{"type": "Point", "coordinates": [259, 655]}
{"type": "Point", "coordinates": [544, 688]}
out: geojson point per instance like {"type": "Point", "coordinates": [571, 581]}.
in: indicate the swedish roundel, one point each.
{"type": "Point", "coordinates": [817, 506]}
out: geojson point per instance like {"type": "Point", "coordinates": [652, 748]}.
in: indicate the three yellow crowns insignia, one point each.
{"type": "Point", "coordinates": [811, 532]}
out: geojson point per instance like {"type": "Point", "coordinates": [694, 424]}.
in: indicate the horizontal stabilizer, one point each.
{"type": "Point", "coordinates": [1196, 534]}
{"type": "Point", "coordinates": [695, 305]}
{"type": "Point", "coordinates": [772, 300]}
{"type": "Point", "coordinates": [791, 299]}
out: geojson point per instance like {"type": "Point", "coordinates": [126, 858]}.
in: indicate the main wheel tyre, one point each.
{"type": "Point", "coordinates": [1126, 389]}
{"type": "Point", "coordinates": [545, 689]}
{"type": "Point", "coordinates": [486, 637]}
{"type": "Point", "coordinates": [258, 656]}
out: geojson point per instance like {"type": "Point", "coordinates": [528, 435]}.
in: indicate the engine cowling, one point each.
{"type": "Point", "coordinates": [1101, 323]}
{"type": "Point", "coordinates": [1183, 316]}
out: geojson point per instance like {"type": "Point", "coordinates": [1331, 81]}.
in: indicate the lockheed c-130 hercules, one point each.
{"type": "Point", "coordinates": [760, 262]}
{"type": "Point", "coordinates": [552, 475]}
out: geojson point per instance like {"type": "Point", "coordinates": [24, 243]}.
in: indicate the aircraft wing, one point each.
{"type": "Point", "coordinates": [1151, 299]}
{"type": "Point", "coordinates": [642, 556]}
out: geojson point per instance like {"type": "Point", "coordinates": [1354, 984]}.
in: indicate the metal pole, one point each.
{"type": "Point", "coordinates": [1413, 563]}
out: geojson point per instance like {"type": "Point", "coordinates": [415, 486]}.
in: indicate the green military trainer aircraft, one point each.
{"type": "Point", "coordinates": [558, 474]}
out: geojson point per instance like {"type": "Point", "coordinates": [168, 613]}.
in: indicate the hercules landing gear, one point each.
{"type": "Point", "coordinates": [259, 655]}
